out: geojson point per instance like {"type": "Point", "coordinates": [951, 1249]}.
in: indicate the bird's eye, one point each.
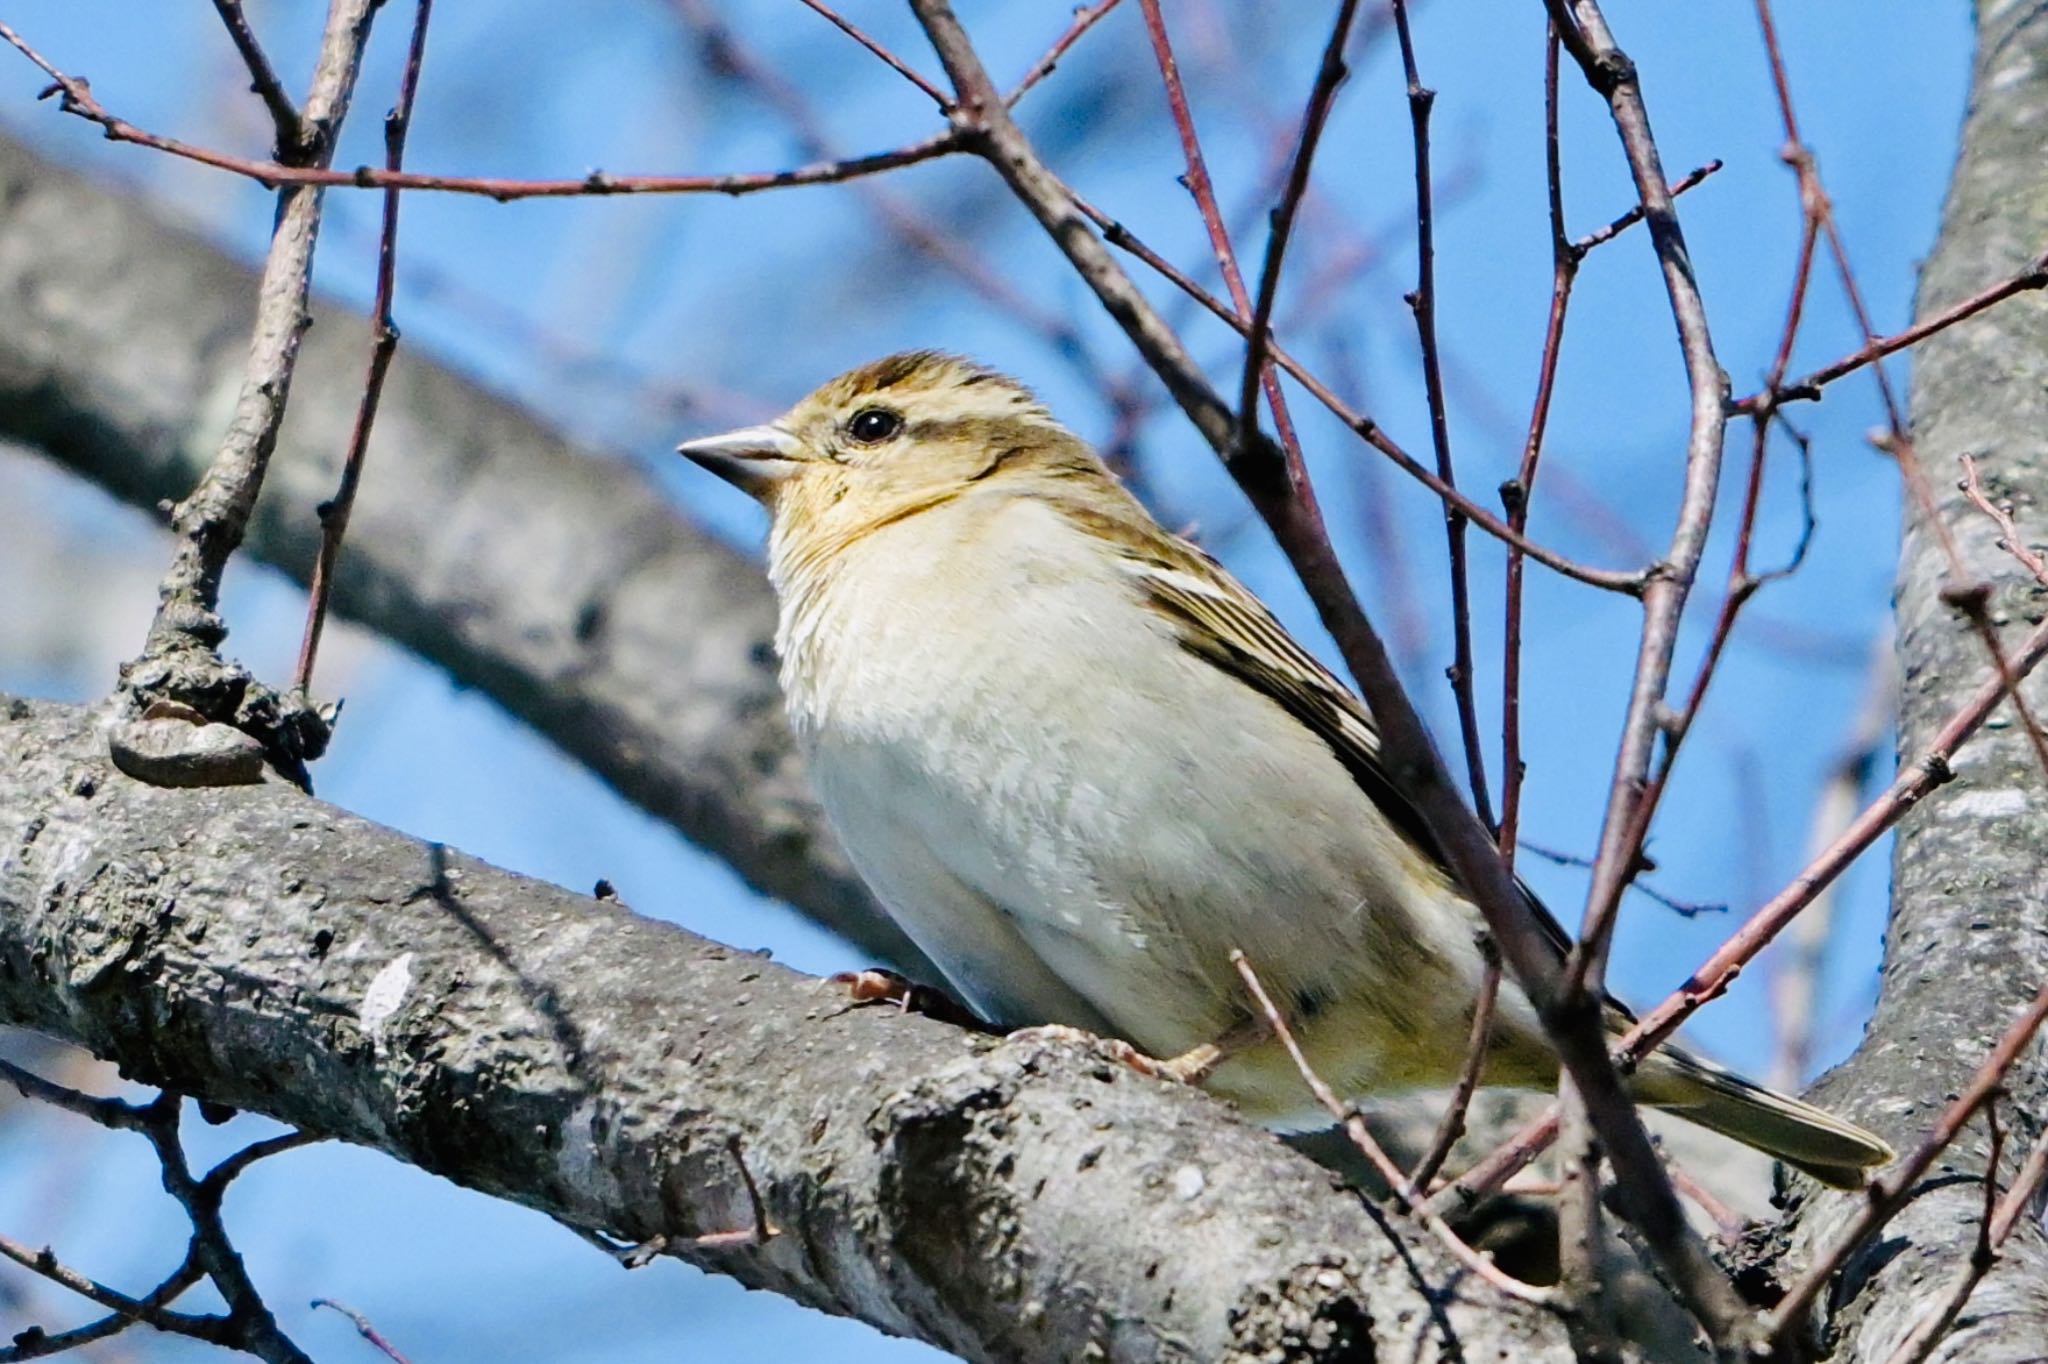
{"type": "Point", "coordinates": [873, 425]}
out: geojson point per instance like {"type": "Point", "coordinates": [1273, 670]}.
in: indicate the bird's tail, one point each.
{"type": "Point", "coordinates": [1833, 1151]}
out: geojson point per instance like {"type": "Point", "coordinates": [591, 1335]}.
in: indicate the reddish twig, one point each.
{"type": "Point", "coordinates": [1742, 583]}
{"type": "Point", "coordinates": [2009, 538]}
{"type": "Point", "coordinates": [364, 1329]}
{"type": "Point", "coordinates": [1889, 1193]}
{"type": "Point", "coordinates": [1998, 1224]}
{"type": "Point", "coordinates": [1795, 975]}
{"type": "Point", "coordinates": [1322, 97]}
{"type": "Point", "coordinates": [334, 513]}
{"type": "Point", "coordinates": [761, 1230]}
{"type": "Point", "coordinates": [1729, 1225]}
{"type": "Point", "coordinates": [894, 62]}
{"type": "Point", "coordinates": [1362, 1138]}
{"type": "Point", "coordinates": [1718, 972]}
{"type": "Point", "coordinates": [1516, 493]}
{"type": "Point", "coordinates": [1259, 471]}
{"type": "Point", "coordinates": [1121, 237]}
{"type": "Point", "coordinates": [2034, 276]}
{"type": "Point", "coordinates": [727, 56]}
{"type": "Point", "coordinates": [1085, 18]}
{"type": "Point", "coordinates": [75, 97]}
{"type": "Point", "coordinates": [263, 81]}
{"type": "Point", "coordinates": [1452, 1125]}
{"type": "Point", "coordinates": [1203, 191]}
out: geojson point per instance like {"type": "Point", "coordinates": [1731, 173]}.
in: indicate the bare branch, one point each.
{"type": "Point", "coordinates": [263, 81]}
{"type": "Point", "coordinates": [1891, 1192]}
{"type": "Point", "coordinates": [334, 513]}
{"type": "Point", "coordinates": [77, 98]}
{"type": "Point", "coordinates": [890, 59]}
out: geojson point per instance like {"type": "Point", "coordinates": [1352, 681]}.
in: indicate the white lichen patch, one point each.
{"type": "Point", "coordinates": [386, 993]}
{"type": "Point", "coordinates": [1986, 804]}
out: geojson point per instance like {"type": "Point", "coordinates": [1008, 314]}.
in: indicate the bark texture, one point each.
{"type": "Point", "coordinates": [1968, 943]}
{"type": "Point", "coordinates": [1005, 1201]}
{"type": "Point", "coordinates": [557, 580]}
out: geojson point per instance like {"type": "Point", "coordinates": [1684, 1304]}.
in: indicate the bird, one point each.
{"type": "Point", "coordinates": [1080, 765]}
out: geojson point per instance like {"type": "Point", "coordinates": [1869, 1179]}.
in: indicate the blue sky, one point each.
{"type": "Point", "coordinates": [640, 321]}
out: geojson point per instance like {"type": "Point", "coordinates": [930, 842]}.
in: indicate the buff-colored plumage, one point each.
{"type": "Point", "coordinates": [1080, 764]}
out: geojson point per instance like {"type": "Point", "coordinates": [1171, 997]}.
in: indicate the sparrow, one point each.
{"type": "Point", "coordinates": [1080, 765]}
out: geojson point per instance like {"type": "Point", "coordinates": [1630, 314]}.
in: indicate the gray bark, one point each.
{"type": "Point", "coordinates": [1968, 944]}
{"type": "Point", "coordinates": [557, 580]}
{"type": "Point", "coordinates": [1002, 1200]}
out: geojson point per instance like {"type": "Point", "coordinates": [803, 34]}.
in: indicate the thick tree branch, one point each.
{"type": "Point", "coordinates": [559, 582]}
{"type": "Point", "coordinates": [1001, 1200]}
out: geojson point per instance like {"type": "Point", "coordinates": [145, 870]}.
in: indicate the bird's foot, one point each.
{"type": "Point", "coordinates": [878, 986]}
{"type": "Point", "coordinates": [1191, 1067]}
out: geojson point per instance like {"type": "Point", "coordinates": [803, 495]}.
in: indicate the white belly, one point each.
{"type": "Point", "coordinates": [1080, 820]}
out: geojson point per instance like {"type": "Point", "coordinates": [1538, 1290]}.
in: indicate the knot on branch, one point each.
{"type": "Point", "coordinates": [193, 718]}
{"type": "Point", "coordinates": [1259, 466]}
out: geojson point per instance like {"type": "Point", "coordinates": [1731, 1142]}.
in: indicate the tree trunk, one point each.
{"type": "Point", "coordinates": [1968, 943]}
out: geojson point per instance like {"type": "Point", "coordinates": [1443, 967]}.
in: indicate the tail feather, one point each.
{"type": "Point", "coordinates": [1834, 1151]}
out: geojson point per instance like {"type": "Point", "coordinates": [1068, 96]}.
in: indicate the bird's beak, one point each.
{"type": "Point", "coordinates": [753, 459]}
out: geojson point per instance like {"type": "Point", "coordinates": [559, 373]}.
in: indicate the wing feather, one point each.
{"type": "Point", "coordinates": [1222, 623]}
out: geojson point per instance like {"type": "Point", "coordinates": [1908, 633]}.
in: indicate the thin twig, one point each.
{"type": "Point", "coordinates": [1362, 1138]}
{"type": "Point", "coordinates": [726, 56]}
{"type": "Point", "coordinates": [2009, 538]}
{"type": "Point", "coordinates": [761, 1231]}
{"type": "Point", "coordinates": [364, 1329]}
{"type": "Point", "coordinates": [291, 133]}
{"type": "Point", "coordinates": [76, 97]}
{"type": "Point", "coordinates": [180, 661]}
{"type": "Point", "coordinates": [1712, 979]}
{"type": "Point", "coordinates": [1203, 191]}
{"type": "Point", "coordinates": [1423, 304]}
{"type": "Point", "coordinates": [1121, 237]}
{"type": "Point", "coordinates": [334, 513]}
{"type": "Point", "coordinates": [1085, 18]}
{"type": "Point", "coordinates": [254, 1326]}
{"type": "Point", "coordinates": [1656, 1213]}
{"type": "Point", "coordinates": [233, 1167]}
{"type": "Point", "coordinates": [1607, 69]}
{"type": "Point", "coordinates": [2034, 276]}
{"type": "Point", "coordinates": [894, 62]}
{"type": "Point", "coordinates": [1452, 1125]}
{"type": "Point", "coordinates": [1992, 1232]}
{"type": "Point", "coordinates": [1600, 236]}
{"type": "Point", "coordinates": [1517, 493]}
{"type": "Point", "coordinates": [1645, 1190]}
{"type": "Point", "coordinates": [1729, 1224]}
{"type": "Point", "coordinates": [117, 1114]}
{"type": "Point", "coordinates": [1889, 1193]}
{"type": "Point", "coordinates": [149, 1309]}
{"type": "Point", "coordinates": [1322, 98]}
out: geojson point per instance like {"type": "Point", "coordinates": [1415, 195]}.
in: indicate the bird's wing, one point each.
{"type": "Point", "coordinates": [1219, 621]}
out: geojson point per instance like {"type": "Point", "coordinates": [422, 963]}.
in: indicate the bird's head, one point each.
{"type": "Point", "coordinates": [890, 439]}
